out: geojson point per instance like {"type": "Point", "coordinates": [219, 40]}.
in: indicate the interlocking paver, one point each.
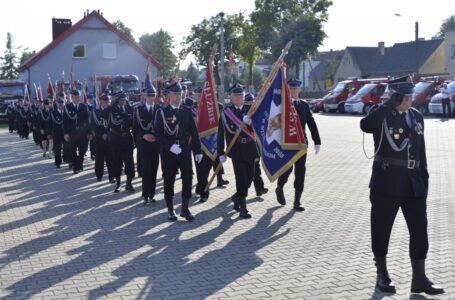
{"type": "Point", "coordinates": [65, 236]}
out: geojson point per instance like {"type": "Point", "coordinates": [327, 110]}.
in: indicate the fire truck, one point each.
{"type": "Point", "coordinates": [11, 91]}
{"type": "Point", "coordinates": [336, 99]}
{"type": "Point", "coordinates": [130, 84]}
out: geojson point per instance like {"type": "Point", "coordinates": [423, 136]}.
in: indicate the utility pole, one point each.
{"type": "Point", "coordinates": [221, 15]}
{"type": "Point", "coordinates": [417, 47]}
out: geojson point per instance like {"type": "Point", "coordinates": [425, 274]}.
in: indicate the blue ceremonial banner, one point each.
{"type": "Point", "coordinates": [278, 129]}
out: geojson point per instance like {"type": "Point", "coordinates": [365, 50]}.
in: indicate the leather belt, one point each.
{"type": "Point", "coordinates": [122, 134]}
{"type": "Point", "coordinates": [243, 140]}
{"type": "Point", "coordinates": [410, 164]}
{"type": "Point", "coordinates": [181, 142]}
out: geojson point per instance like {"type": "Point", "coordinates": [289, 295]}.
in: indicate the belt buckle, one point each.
{"type": "Point", "coordinates": [411, 164]}
{"type": "Point", "coordinates": [243, 140]}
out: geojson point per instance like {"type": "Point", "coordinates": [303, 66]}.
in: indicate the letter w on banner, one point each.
{"type": "Point", "coordinates": [278, 129]}
{"type": "Point", "coordinates": [208, 113]}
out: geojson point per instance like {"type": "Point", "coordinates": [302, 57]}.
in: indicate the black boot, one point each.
{"type": "Point", "coordinates": [185, 212]}
{"type": "Point", "coordinates": [297, 205]}
{"type": "Point", "coordinates": [383, 281]}
{"type": "Point", "coordinates": [261, 192]}
{"type": "Point", "coordinates": [235, 199]}
{"type": "Point", "coordinates": [170, 208]}
{"type": "Point", "coordinates": [129, 185]}
{"type": "Point", "coordinates": [146, 200]}
{"type": "Point", "coordinates": [117, 187]}
{"type": "Point", "coordinates": [243, 211]}
{"type": "Point", "coordinates": [280, 195]}
{"type": "Point", "coordinates": [220, 181]}
{"type": "Point", "coordinates": [420, 281]}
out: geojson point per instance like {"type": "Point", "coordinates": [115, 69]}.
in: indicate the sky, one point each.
{"type": "Point", "coordinates": [350, 23]}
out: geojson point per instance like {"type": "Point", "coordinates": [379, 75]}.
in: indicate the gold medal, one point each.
{"type": "Point", "coordinates": [396, 136]}
{"type": "Point", "coordinates": [400, 130]}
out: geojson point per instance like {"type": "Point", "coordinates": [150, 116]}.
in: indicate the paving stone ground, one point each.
{"type": "Point", "coordinates": [65, 236]}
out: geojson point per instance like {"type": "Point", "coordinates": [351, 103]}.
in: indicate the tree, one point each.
{"type": "Point", "coordinates": [204, 35]}
{"type": "Point", "coordinates": [26, 55]}
{"type": "Point", "coordinates": [258, 78]}
{"type": "Point", "coordinates": [248, 48]}
{"type": "Point", "coordinates": [159, 45]}
{"type": "Point", "coordinates": [124, 29]}
{"type": "Point", "coordinates": [447, 25]}
{"type": "Point", "coordinates": [270, 17]}
{"type": "Point", "coordinates": [192, 73]}
{"type": "Point", "coordinates": [306, 34]}
{"type": "Point", "coordinates": [9, 60]}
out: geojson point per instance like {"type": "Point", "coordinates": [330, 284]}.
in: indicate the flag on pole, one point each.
{"type": "Point", "coordinates": [208, 113]}
{"type": "Point", "coordinates": [39, 95]}
{"type": "Point", "coordinates": [277, 126]}
{"type": "Point", "coordinates": [147, 82]}
{"type": "Point", "coordinates": [61, 86]}
{"type": "Point", "coordinates": [95, 93]}
{"type": "Point", "coordinates": [50, 88]}
{"type": "Point", "coordinates": [231, 61]}
{"type": "Point", "coordinates": [72, 83]}
{"type": "Point", "coordinates": [26, 94]}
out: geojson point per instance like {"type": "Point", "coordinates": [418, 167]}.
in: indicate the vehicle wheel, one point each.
{"type": "Point", "coordinates": [341, 108]}
{"type": "Point", "coordinates": [366, 109]}
{"type": "Point", "coordinates": [423, 110]}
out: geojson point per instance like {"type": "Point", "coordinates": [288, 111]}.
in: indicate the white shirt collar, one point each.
{"type": "Point", "coordinates": [148, 106]}
{"type": "Point", "coordinates": [239, 107]}
{"type": "Point", "coordinates": [175, 107]}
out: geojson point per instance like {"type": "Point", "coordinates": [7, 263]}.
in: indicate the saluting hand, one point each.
{"type": "Point", "coordinates": [66, 137]}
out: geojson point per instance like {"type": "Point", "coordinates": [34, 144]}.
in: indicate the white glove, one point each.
{"type": "Point", "coordinates": [198, 158]}
{"type": "Point", "coordinates": [176, 149]}
{"type": "Point", "coordinates": [222, 159]}
{"type": "Point", "coordinates": [247, 119]}
{"type": "Point", "coordinates": [317, 148]}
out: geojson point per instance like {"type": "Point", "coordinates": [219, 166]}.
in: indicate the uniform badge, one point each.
{"type": "Point", "coordinates": [396, 136]}
{"type": "Point", "coordinates": [419, 128]}
{"type": "Point", "coordinates": [173, 119]}
{"type": "Point", "coordinates": [400, 130]}
{"type": "Point", "coordinates": [394, 113]}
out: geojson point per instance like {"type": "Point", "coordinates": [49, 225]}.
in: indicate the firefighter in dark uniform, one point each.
{"type": "Point", "coordinates": [244, 152]}
{"type": "Point", "coordinates": [25, 119]}
{"type": "Point", "coordinates": [56, 130]}
{"type": "Point", "coordinates": [10, 114]}
{"type": "Point", "coordinates": [120, 120]}
{"type": "Point", "coordinates": [99, 129]}
{"type": "Point", "coordinates": [76, 130]}
{"type": "Point", "coordinates": [399, 180]}
{"type": "Point", "coordinates": [143, 125]}
{"type": "Point", "coordinates": [258, 182]}
{"type": "Point", "coordinates": [305, 117]}
{"type": "Point", "coordinates": [174, 126]}
{"type": "Point", "coordinates": [35, 108]}
{"type": "Point", "coordinates": [43, 121]}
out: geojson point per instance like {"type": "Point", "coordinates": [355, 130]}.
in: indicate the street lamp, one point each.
{"type": "Point", "coordinates": [221, 15]}
{"type": "Point", "coordinates": [416, 44]}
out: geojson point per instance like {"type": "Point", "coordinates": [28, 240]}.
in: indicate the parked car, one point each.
{"type": "Point", "coordinates": [423, 91]}
{"type": "Point", "coordinates": [435, 105]}
{"type": "Point", "coordinates": [369, 95]}
{"type": "Point", "coordinates": [316, 105]}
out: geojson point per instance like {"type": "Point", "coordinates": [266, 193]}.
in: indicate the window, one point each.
{"type": "Point", "coordinates": [78, 50]}
{"type": "Point", "coordinates": [109, 51]}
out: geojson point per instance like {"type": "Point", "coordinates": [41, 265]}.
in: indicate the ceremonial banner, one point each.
{"type": "Point", "coordinates": [279, 133]}
{"type": "Point", "coordinates": [208, 113]}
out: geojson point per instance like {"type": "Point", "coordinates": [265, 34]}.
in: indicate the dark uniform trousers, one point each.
{"type": "Point", "coordinates": [202, 173]}
{"type": "Point", "coordinates": [393, 186]}
{"type": "Point", "coordinates": [102, 155]}
{"type": "Point", "coordinates": [78, 146]}
{"type": "Point", "coordinates": [57, 148]}
{"type": "Point", "coordinates": [257, 180]}
{"type": "Point", "coordinates": [244, 174]}
{"type": "Point", "coordinates": [150, 154]}
{"type": "Point", "coordinates": [306, 118]}
{"type": "Point", "coordinates": [121, 146]}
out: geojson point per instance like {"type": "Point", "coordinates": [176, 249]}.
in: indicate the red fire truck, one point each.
{"type": "Point", "coordinates": [336, 99]}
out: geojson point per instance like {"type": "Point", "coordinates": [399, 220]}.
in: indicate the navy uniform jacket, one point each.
{"type": "Point", "coordinates": [146, 118]}
{"type": "Point", "coordinates": [187, 128]}
{"type": "Point", "coordinates": [56, 123]}
{"type": "Point", "coordinates": [389, 178]}
{"type": "Point", "coordinates": [43, 119]}
{"type": "Point", "coordinates": [75, 118]}
{"type": "Point", "coordinates": [119, 121]}
{"type": "Point", "coordinates": [98, 124]}
{"type": "Point", "coordinates": [245, 147]}
{"type": "Point", "coordinates": [306, 117]}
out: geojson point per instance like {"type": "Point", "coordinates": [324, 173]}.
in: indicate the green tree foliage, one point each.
{"type": "Point", "coordinates": [123, 28]}
{"type": "Point", "coordinates": [26, 55]}
{"type": "Point", "coordinates": [248, 48]}
{"type": "Point", "coordinates": [9, 60]}
{"type": "Point", "coordinates": [447, 25]}
{"type": "Point", "coordinates": [159, 45]}
{"type": "Point", "coordinates": [192, 74]}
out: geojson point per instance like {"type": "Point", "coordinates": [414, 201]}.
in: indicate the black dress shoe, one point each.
{"type": "Point", "coordinates": [112, 180]}
{"type": "Point", "coordinates": [222, 183]}
{"type": "Point", "coordinates": [262, 192]}
{"type": "Point", "coordinates": [98, 179]}
{"type": "Point", "coordinates": [299, 208]}
{"type": "Point", "coordinates": [187, 215]}
{"type": "Point", "coordinates": [130, 188]}
{"type": "Point", "coordinates": [58, 166]}
{"type": "Point", "coordinates": [384, 283]}
{"type": "Point", "coordinates": [420, 281]}
{"type": "Point", "coordinates": [172, 217]}
{"type": "Point", "coordinates": [236, 203]}
{"type": "Point", "coordinates": [203, 199]}
{"type": "Point", "coordinates": [146, 200]}
{"type": "Point", "coordinates": [280, 196]}
{"type": "Point", "coordinates": [245, 215]}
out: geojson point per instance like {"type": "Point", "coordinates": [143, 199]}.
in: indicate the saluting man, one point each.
{"type": "Point", "coordinates": [174, 125]}
{"type": "Point", "coordinates": [76, 130]}
{"type": "Point", "coordinates": [399, 180]}
{"type": "Point", "coordinates": [244, 152]}
{"type": "Point", "coordinates": [144, 126]}
{"type": "Point", "coordinates": [306, 117]}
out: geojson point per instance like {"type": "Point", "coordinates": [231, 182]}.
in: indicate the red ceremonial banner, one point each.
{"type": "Point", "coordinates": [208, 113]}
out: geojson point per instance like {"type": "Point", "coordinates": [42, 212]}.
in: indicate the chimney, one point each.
{"type": "Point", "coordinates": [381, 48]}
{"type": "Point", "coordinates": [59, 26]}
